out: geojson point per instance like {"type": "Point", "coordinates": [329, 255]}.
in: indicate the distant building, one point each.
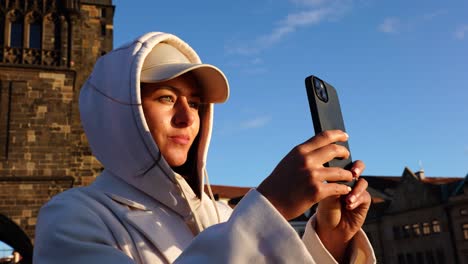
{"type": "Point", "coordinates": [47, 50]}
{"type": "Point", "coordinates": [415, 219]}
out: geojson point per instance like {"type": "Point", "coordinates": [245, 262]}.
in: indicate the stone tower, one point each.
{"type": "Point", "coordinates": [47, 50]}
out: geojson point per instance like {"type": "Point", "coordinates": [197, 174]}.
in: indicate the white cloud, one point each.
{"type": "Point", "coordinates": [307, 13]}
{"type": "Point", "coordinates": [390, 25]}
{"type": "Point", "coordinates": [435, 14]}
{"type": "Point", "coordinates": [256, 122]}
{"type": "Point", "coordinates": [461, 32]}
{"type": "Point", "coordinates": [291, 23]}
{"type": "Point", "coordinates": [313, 12]}
{"type": "Point", "coordinates": [393, 25]}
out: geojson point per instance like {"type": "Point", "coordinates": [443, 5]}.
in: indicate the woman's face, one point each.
{"type": "Point", "coordinates": [171, 112]}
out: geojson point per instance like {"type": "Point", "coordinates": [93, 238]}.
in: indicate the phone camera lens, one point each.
{"type": "Point", "coordinates": [320, 90]}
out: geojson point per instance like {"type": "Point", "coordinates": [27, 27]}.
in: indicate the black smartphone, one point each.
{"type": "Point", "coordinates": [326, 114]}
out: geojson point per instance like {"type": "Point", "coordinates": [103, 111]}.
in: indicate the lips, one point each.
{"type": "Point", "coordinates": [180, 139]}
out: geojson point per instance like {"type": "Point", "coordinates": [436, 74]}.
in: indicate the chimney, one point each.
{"type": "Point", "coordinates": [420, 174]}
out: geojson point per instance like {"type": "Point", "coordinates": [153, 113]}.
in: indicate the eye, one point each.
{"type": "Point", "coordinates": [194, 104]}
{"type": "Point", "coordinates": [166, 99]}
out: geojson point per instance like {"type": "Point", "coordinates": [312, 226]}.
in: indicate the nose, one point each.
{"type": "Point", "coordinates": [184, 115]}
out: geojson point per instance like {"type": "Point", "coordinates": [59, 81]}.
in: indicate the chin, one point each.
{"type": "Point", "coordinates": [177, 162]}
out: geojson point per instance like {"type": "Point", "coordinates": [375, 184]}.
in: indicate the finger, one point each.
{"type": "Point", "coordinates": [322, 139]}
{"type": "Point", "coordinates": [363, 201]}
{"type": "Point", "coordinates": [333, 189]}
{"type": "Point", "coordinates": [327, 153]}
{"type": "Point", "coordinates": [358, 168]}
{"type": "Point", "coordinates": [354, 197]}
{"type": "Point", "coordinates": [332, 174]}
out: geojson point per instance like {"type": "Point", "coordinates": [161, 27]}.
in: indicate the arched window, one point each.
{"type": "Point", "coordinates": [34, 30]}
{"type": "Point", "coordinates": [16, 34]}
{"type": "Point", "coordinates": [16, 29]}
{"type": "Point", "coordinates": [35, 35]}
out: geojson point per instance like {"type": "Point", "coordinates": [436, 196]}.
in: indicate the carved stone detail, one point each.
{"type": "Point", "coordinates": [51, 57]}
{"type": "Point", "coordinates": [33, 17]}
{"type": "Point", "coordinates": [32, 56]}
{"type": "Point", "coordinates": [14, 15]}
{"type": "Point", "coordinates": [13, 55]}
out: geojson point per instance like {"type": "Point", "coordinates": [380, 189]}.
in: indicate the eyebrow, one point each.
{"type": "Point", "coordinates": [174, 89]}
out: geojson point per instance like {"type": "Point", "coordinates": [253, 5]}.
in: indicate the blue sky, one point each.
{"type": "Point", "coordinates": [400, 68]}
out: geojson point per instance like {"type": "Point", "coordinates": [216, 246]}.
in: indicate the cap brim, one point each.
{"type": "Point", "coordinates": [214, 85]}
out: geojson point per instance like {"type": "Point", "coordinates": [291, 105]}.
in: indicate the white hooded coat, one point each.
{"type": "Point", "coordinates": [139, 210]}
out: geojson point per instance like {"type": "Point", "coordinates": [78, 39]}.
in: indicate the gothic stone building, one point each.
{"type": "Point", "coordinates": [47, 50]}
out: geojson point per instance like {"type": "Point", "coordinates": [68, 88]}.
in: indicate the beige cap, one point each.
{"type": "Point", "coordinates": [166, 62]}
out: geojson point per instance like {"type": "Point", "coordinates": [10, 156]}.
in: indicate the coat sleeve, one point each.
{"type": "Point", "coordinates": [257, 233]}
{"type": "Point", "coordinates": [64, 226]}
{"type": "Point", "coordinates": [361, 249]}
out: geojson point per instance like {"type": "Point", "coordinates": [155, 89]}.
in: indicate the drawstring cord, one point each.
{"type": "Point", "coordinates": [197, 221]}
{"type": "Point", "coordinates": [211, 194]}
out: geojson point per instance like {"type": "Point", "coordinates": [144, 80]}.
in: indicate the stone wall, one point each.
{"type": "Point", "coordinates": [43, 149]}
{"type": "Point", "coordinates": [89, 43]}
{"type": "Point", "coordinates": [38, 122]}
{"type": "Point", "coordinates": [22, 197]}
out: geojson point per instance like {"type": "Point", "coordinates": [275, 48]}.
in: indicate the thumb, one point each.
{"type": "Point", "coordinates": [329, 212]}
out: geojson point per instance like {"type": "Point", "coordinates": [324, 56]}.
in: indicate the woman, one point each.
{"type": "Point", "coordinates": [147, 110]}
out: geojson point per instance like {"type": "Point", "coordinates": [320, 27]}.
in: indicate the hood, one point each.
{"type": "Point", "coordinates": [115, 125]}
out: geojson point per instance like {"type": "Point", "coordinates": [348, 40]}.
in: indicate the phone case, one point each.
{"type": "Point", "coordinates": [326, 113]}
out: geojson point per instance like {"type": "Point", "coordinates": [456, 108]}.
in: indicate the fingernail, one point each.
{"type": "Point", "coordinates": [346, 134]}
{"type": "Point", "coordinates": [349, 189]}
{"type": "Point", "coordinates": [352, 199]}
{"type": "Point", "coordinates": [355, 172]}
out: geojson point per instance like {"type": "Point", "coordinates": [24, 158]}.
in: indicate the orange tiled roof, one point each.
{"type": "Point", "coordinates": [229, 192]}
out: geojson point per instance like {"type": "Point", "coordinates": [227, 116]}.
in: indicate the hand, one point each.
{"type": "Point", "coordinates": [340, 218]}
{"type": "Point", "coordinates": [300, 180]}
